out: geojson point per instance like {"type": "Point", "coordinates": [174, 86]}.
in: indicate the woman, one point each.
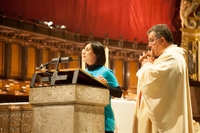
{"type": "Point", "coordinates": [94, 56]}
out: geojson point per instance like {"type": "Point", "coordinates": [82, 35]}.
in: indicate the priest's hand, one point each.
{"type": "Point", "coordinates": [146, 58]}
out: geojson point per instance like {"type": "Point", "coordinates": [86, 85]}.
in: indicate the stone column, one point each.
{"type": "Point", "coordinates": [68, 109]}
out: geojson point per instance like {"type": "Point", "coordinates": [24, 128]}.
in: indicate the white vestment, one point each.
{"type": "Point", "coordinates": [164, 105]}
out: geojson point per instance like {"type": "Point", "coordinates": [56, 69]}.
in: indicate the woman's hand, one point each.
{"type": "Point", "coordinates": [102, 79]}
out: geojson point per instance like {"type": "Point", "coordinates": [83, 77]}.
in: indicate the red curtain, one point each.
{"type": "Point", "coordinates": [118, 18]}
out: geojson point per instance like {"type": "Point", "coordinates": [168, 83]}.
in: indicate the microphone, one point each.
{"type": "Point", "coordinates": [42, 65]}
{"type": "Point", "coordinates": [54, 61]}
{"type": "Point", "coordinates": [62, 59]}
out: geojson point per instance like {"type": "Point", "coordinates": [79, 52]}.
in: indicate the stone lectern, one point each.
{"type": "Point", "coordinates": [71, 107]}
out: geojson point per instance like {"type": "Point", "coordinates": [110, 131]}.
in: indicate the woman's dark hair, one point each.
{"type": "Point", "coordinates": [99, 51]}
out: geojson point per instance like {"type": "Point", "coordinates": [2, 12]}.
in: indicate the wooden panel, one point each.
{"type": "Point", "coordinates": [195, 98]}
{"type": "Point", "coordinates": [114, 43]}
{"type": "Point", "coordinates": [70, 36]}
{"type": "Point", "coordinates": [16, 118]}
{"type": "Point", "coordinates": [57, 33]}
{"type": "Point", "coordinates": [132, 67]}
{"type": "Point", "coordinates": [28, 26]}
{"type": "Point", "coordinates": [15, 60]}
{"type": "Point", "coordinates": [198, 62]}
{"type": "Point", "coordinates": [75, 63]}
{"type": "Point", "coordinates": [31, 64]}
{"type": "Point", "coordinates": [11, 22]}
{"type": "Point", "coordinates": [128, 45]}
{"type": "Point", "coordinates": [119, 71]}
{"type": "Point", "coordinates": [45, 55]}
{"type": "Point", "coordinates": [1, 59]}
{"type": "Point", "coordinates": [41, 29]}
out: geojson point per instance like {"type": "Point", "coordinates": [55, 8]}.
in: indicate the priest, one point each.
{"type": "Point", "coordinates": [163, 91]}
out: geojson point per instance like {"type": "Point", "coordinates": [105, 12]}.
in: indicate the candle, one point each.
{"type": "Point", "coordinates": [107, 57]}
{"type": "Point", "coordinates": [82, 63]}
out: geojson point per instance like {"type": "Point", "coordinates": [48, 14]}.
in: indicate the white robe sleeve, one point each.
{"type": "Point", "coordinates": [163, 89]}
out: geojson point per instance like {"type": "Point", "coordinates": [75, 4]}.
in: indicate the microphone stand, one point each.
{"type": "Point", "coordinates": [51, 78]}
{"type": "Point", "coordinates": [43, 65]}
{"type": "Point", "coordinates": [55, 76]}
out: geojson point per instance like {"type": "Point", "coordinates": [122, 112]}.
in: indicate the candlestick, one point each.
{"type": "Point", "coordinates": [82, 63]}
{"type": "Point", "coordinates": [107, 57]}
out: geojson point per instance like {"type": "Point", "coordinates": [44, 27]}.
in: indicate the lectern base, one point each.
{"type": "Point", "coordinates": [68, 109]}
{"type": "Point", "coordinates": [68, 119]}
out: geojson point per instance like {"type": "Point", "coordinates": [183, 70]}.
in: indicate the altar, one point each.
{"type": "Point", "coordinates": [123, 111]}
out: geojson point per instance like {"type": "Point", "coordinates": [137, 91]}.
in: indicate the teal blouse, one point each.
{"type": "Point", "coordinates": [112, 81]}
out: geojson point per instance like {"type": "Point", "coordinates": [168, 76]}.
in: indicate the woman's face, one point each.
{"type": "Point", "coordinates": [88, 55]}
